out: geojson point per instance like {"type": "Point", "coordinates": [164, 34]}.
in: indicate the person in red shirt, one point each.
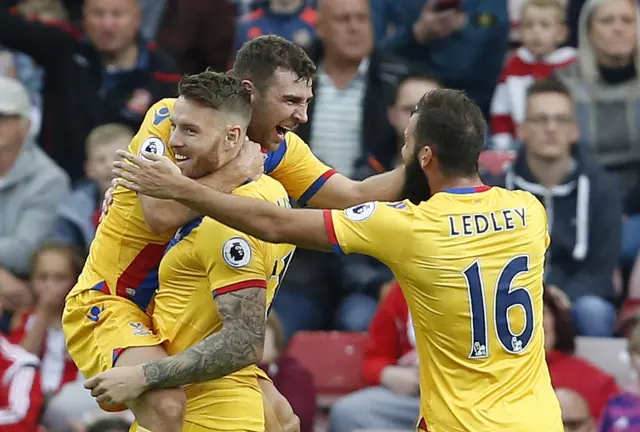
{"type": "Point", "coordinates": [390, 366]}
{"type": "Point", "coordinates": [21, 399]}
{"type": "Point", "coordinates": [566, 369]}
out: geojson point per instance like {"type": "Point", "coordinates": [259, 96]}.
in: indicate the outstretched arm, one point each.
{"type": "Point", "coordinates": [160, 178]}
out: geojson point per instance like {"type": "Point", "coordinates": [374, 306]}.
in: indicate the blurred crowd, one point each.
{"type": "Point", "coordinates": [557, 81]}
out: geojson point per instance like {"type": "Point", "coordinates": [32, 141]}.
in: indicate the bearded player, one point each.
{"type": "Point", "coordinates": [469, 259]}
{"type": "Point", "coordinates": [130, 241]}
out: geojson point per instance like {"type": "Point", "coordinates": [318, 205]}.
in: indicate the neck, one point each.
{"type": "Point", "coordinates": [615, 61]}
{"type": "Point", "coordinates": [8, 158]}
{"type": "Point", "coordinates": [124, 59]}
{"type": "Point", "coordinates": [549, 173]}
{"type": "Point", "coordinates": [458, 182]}
{"type": "Point", "coordinates": [340, 70]}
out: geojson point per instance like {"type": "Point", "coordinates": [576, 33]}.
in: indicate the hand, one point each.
{"type": "Point", "coordinates": [149, 174]}
{"type": "Point", "coordinates": [559, 296]}
{"type": "Point", "coordinates": [14, 293]}
{"type": "Point", "coordinates": [248, 164]}
{"type": "Point", "coordinates": [409, 359]}
{"type": "Point", "coordinates": [117, 385]}
{"type": "Point", "coordinates": [108, 200]}
{"type": "Point", "coordinates": [437, 25]}
{"type": "Point", "coordinates": [401, 380]}
{"type": "Point", "coordinates": [50, 303]}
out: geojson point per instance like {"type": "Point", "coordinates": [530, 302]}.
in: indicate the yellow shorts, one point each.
{"type": "Point", "coordinates": [98, 327]}
{"type": "Point", "coordinates": [190, 427]}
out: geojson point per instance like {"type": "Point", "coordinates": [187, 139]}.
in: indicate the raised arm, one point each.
{"type": "Point", "coordinates": [340, 192]}
{"type": "Point", "coordinates": [263, 220]}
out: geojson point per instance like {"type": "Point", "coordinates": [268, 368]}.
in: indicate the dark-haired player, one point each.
{"type": "Point", "coordinates": [469, 259]}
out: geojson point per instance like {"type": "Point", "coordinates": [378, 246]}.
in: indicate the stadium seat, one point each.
{"type": "Point", "coordinates": [495, 162]}
{"type": "Point", "coordinates": [609, 354]}
{"type": "Point", "coordinates": [334, 359]}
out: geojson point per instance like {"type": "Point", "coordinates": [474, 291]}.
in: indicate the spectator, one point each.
{"type": "Point", "coordinates": [568, 370]}
{"type": "Point", "coordinates": [347, 124]}
{"type": "Point", "coordinates": [112, 75]}
{"type": "Point", "coordinates": [462, 42]}
{"type": "Point", "coordinates": [31, 187]}
{"type": "Point", "coordinates": [7, 64]}
{"type": "Point", "coordinates": [290, 377]}
{"type": "Point", "coordinates": [79, 214]}
{"type": "Point", "coordinates": [56, 268]}
{"type": "Point", "coordinates": [20, 396]}
{"type": "Point", "coordinates": [575, 412]}
{"type": "Point", "coordinates": [622, 412]}
{"type": "Point", "coordinates": [390, 366]}
{"type": "Point", "coordinates": [290, 19]}
{"type": "Point", "coordinates": [543, 29]}
{"type": "Point", "coordinates": [198, 34]}
{"type": "Point", "coordinates": [603, 83]}
{"type": "Point", "coordinates": [580, 198]}
{"type": "Point", "coordinates": [364, 279]}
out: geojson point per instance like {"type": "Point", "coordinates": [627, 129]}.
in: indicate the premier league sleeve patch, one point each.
{"type": "Point", "coordinates": [153, 145]}
{"type": "Point", "coordinates": [360, 212]}
{"type": "Point", "coordinates": [236, 252]}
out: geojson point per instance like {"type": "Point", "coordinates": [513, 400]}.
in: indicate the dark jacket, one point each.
{"type": "Point", "coordinates": [79, 94]}
{"type": "Point", "coordinates": [377, 134]}
{"type": "Point", "coordinates": [585, 220]}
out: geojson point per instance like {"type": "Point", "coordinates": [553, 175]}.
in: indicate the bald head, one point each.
{"type": "Point", "coordinates": [344, 26]}
{"type": "Point", "coordinates": [575, 411]}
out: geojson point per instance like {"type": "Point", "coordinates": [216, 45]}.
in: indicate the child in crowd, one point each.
{"type": "Point", "coordinates": [78, 216]}
{"type": "Point", "coordinates": [543, 30]}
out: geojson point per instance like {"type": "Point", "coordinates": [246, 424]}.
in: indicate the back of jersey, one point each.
{"type": "Point", "coordinates": [472, 276]}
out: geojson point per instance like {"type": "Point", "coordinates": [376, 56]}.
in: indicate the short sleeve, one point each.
{"type": "Point", "coordinates": [155, 130]}
{"type": "Point", "coordinates": [378, 229]}
{"type": "Point", "coordinates": [232, 260]}
{"type": "Point", "coordinates": [298, 169]}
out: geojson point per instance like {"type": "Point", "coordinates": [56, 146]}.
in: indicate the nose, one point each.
{"type": "Point", "coordinates": [300, 115]}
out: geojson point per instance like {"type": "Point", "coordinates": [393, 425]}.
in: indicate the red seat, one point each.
{"type": "Point", "coordinates": [495, 162]}
{"type": "Point", "coordinates": [333, 358]}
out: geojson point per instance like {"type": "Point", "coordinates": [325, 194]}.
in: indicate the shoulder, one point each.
{"type": "Point", "coordinates": [46, 170]}
{"type": "Point", "coordinates": [381, 210]}
{"type": "Point", "coordinates": [265, 188]}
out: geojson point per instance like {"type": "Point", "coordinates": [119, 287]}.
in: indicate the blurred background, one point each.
{"type": "Point", "coordinates": [76, 78]}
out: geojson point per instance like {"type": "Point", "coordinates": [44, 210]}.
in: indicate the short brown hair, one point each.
{"type": "Point", "coordinates": [548, 85]}
{"type": "Point", "coordinates": [75, 258]}
{"type": "Point", "coordinates": [106, 134]}
{"type": "Point", "coordinates": [259, 58]}
{"type": "Point", "coordinates": [545, 4]}
{"type": "Point", "coordinates": [219, 91]}
{"type": "Point", "coordinates": [563, 327]}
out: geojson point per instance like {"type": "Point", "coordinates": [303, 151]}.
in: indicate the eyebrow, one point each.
{"type": "Point", "coordinates": [297, 99]}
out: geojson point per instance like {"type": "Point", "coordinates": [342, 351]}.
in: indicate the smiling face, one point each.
{"type": "Point", "coordinates": [202, 138]}
{"type": "Point", "coordinates": [279, 108]}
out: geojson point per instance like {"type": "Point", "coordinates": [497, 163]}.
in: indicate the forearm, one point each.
{"type": "Point", "coordinates": [34, 338]}
{"type": "Point", "coordinates": [218, 355]}
{"type": "Point", "coordinates": [166, 216]}
{"type": "Point", "coordinates": [254, 217]}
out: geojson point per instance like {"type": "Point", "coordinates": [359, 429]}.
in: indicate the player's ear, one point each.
{"type": "Point", "coordinates": [425, 156]}
{"type": "Point", "coordinates": [250, 87]}
{"type": "Point", "coordinates": [234, 136]}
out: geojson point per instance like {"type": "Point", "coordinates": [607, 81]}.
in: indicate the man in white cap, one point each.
{"type": "Point", "coordinates": [31, 186]}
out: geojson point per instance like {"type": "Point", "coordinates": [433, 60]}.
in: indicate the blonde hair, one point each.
{"type": "Point", "coordinates": [106, 134]}
{"type": "Point", "coordinates": [555, 4]}
{"type": "Point", "coordinates": [46, 10]}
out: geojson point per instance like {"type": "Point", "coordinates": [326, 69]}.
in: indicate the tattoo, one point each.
{"type": "Point", "coordinates": [237, 345]}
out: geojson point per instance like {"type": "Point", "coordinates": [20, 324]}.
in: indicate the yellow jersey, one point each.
{"type": "Point", "coordinates": [470, 262]}
{"type": "Point", "coordinates": [124, 255]}
{"type": "Point", "coordinates": [206, 257]}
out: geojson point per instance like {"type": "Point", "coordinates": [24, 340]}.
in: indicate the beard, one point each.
{"type": "Point", "coordinates": [416, 185]}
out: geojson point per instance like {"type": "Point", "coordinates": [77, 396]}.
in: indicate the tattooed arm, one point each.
{"type": "Point", "coordinates": [237, 345]}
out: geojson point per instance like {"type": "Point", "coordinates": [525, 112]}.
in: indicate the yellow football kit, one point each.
{"type": "Point", "coordinates": [470, 262]}
{"type": "Point", "coordinates": [204, 258]}
{"type": "Point", "coordinates": [107, 311]}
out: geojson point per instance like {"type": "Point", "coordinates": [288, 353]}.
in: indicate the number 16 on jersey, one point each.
{"type": "Point", "coordinates": [506, 298]}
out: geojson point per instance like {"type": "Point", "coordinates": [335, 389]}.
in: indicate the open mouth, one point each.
{"type": "Point", "coordinates": [281, 130]}
{"type": "Point", "coordinates": [180, 158]}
